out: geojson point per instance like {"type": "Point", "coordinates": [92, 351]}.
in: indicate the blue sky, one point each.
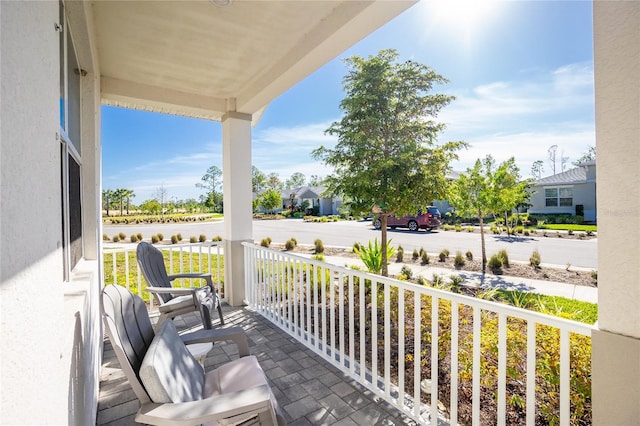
{"type": "Point", "coordinates": [521, 71]}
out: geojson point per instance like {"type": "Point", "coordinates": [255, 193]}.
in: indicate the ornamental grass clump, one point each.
{"type": "Point", "coordinates": [289, 245]}
{"type": "Point", "coordinates": [444, 254]}
{"type": "Point", "coordinates": [133, 238]}
{"type": "Point", "coordinates": [458, 260]}
{"type": "Point", "coordinates": [400, 256]}
{"type": "Point", "coordinates": [154, 239]}
{"type": "Point", "coordinates": [116, 238]}
{"type": "Point", "coordinates": [161, 237]}
{"type": "Point", "coordinates": [504, 257]}
{"type": "Point", "coordinates": [216, 238]}
{"type": "Point", "coordinates": [425, 258]}
{"type": "Point", "coordinates": [415, 255]}
{"type": "Point", "coordinates": [265, 242]}
{"type": "Point", "coordinates": [407, 272]}
{"type": "Point", "coordinates": [534, 259]}
{"type": "Point", "coordinates": [193, 239]}
{"type": "Point", "coordinates": [202, 238]}
{"type": "Point", "coordinates": [122, 236]}
{"type": "Point", "coordinates": [174, 239]}
{"type": "Point", "coordinates": [469, 255]}
{"type": "Point", "coordinates": [319, 247]}
{"type": "Point", "coordinates": [371, 255]}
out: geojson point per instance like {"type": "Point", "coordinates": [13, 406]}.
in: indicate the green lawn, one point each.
{"type": "Point", "coordinates": [569, 227]}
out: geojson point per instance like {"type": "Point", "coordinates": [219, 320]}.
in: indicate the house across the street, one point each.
{"type": "Point", "coordinates": [314, 196]}
{"type": "Point", "coordinates": [571, 192]}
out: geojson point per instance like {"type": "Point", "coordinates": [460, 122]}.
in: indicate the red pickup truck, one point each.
{"type": "Point", "coordinates": [429, 220]}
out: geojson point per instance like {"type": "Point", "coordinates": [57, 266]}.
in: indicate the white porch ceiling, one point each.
{"type": "Point", "coordinates": [200, 60]}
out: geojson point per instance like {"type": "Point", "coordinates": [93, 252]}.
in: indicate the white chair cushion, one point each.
{"type": "Point", "coordinates": [178, 302]}
{"type": "Point", "coordinates": [169, 372]}
{"type": "Point", "coordinates": [239, 374]}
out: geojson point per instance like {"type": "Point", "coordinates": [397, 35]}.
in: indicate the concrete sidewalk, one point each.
{"type": "Point", "coordinates": [477, 279]}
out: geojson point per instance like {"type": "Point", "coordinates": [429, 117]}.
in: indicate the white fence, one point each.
{"type": "Point", "coordinates": [495, 364]}
{"type": "Point", "coordinates": [120, 266]}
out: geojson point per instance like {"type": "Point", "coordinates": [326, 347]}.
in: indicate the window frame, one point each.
{"type": "Point", "coordinates": [557, 199]}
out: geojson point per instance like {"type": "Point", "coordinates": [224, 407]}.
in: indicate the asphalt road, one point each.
{"type": "Point", "coordinates": [553, 250]}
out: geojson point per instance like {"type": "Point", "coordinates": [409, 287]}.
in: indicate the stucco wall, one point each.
{"type": "Point", "coordinates": [33, 379]}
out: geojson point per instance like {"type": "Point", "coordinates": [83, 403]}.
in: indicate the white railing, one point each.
{"type": "Point", "coordinates": [120, 267]}
{"type": "Point", "coordinates": [496, 364]}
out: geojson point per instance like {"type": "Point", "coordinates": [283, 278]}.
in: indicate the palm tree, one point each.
{"type": "Point", "coordinates": [108, 196]}
{"type": "Point", "coordinates": [120, 195]}
{"type": "Point", "coordinates": [129, 194]}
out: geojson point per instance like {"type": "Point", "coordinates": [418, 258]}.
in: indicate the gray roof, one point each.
{"type": "Point", "coordinates": [577, 175]}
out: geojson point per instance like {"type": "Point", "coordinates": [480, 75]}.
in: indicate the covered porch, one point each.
{"type": "Point", "coordinates": [62, 60]}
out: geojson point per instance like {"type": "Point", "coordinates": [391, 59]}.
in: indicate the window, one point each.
{"type": "Point", "coordinates": [70, 158]}
{"type": "Point", "coordinates": [559, 196]}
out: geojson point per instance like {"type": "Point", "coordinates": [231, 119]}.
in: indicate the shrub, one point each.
{"type": "Point", "coordinates": [421, 280]}
{"type": "Point", "coordinates": [519, 229]}
{"type": "Point", "coordinates": [469, 255]}
{"type": "Point", "coordinates": [458, 228]}
{"type": "Point", "coordinates": [535, 259]}
{"type": "Point", "coordinates": [179, 235]}
{"type": "Point", "coordinates": [216, 238]}
{"type": "Point", "coordinates": [139, 235]}
{"type": "Point", "coordinates": [495, 263]}
{"type": "Point", "coordinates": [202, 238]}
{"type": "Point", "coordinates": [407, 272]}
{"type": "Point", "coordinates": [319, 246]}
{"type": "Point", "coordinates": [415, 255]}
{"type": "Point", "coordinates": [470, 229]}
{"type": "Point", "coordinates": [294, 241]}
{"type": "Point", "coordinates": [425, 258]}
{"type": "Point", "coordinates": [266, 242]}
{"type": "Point", "coordinates": [422, 251]}
{"type": "Point", "coordinates": [122, 236]}
{"type": "Point", "coordinates": [133, 238]}
{"type": "Point", "coordinates": [459, 260]}
{"type": "Point", "coordinates": [444, 253]}
{"type": "Point", "coordinates": [400, 257]}
{"type": "Point", "coordinates": [193, 239]}
{"type": "Point", "coordinates": [105, 237]}
{"type": "Point", "coordinates": [161, 237]}
{"type": "Point", "coordinates": [289, 245]}
{"type": "Point", "coordinates": [371, 255]}
{"type": "Point", "coordinates": [154, 239]}
{"type": "Point", "coordinates": [456, 281]}
{"type": "Point", "coordinates": [504, 257]}
{"type": "Point", "coordinates": [495, 229]}
{"type": "Point", "coordinates": [318, 256]}
{"type": "Point", "coordinates": [115, 238]}
{"type": "Point", "coordinates": [174, 239]}
{"type": "Point", "coordinates": [594, 275]}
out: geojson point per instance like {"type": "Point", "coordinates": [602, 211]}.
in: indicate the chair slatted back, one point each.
{"type": "Point", "coordinates": [130, 332]}
{"type": "Point", "coordinates": [153, 269]}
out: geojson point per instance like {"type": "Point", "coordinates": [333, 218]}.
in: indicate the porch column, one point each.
{"type": "Point", "coordinates": [616, 343]}
{"type": "Point", "coordinates": [236, 175]}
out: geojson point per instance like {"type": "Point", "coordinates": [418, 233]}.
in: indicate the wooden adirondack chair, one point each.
{"type": "Point", "coordinates": [175, 301]}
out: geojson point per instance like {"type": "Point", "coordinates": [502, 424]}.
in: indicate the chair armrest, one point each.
{"type": "Point", "coordinates": [234, 334]}
{"type": "Point", "coordinates": [201, 275]}
{"type": "Point", "coordinates": [172, 290]}
{"type": "Point", "coordinates": [249, 401]}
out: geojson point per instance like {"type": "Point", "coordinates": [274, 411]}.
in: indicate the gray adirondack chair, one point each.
{"type": "Point", "coordinates": [174, 301]}
{"type": "Point", "coordinates": [171, 385]}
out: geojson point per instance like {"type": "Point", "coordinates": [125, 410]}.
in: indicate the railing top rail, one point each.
{"type": "Point", "coordinates": [499, 308]}
{"type": "Point", "coordinates": [132, 247]}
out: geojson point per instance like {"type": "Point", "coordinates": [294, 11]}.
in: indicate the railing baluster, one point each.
{"type": "Point", "coordinates": [363, 333]}
{"type": "Point", "coordinates": [115, 275]}
{"type": "Point", "coordinates": [502, 368]}
{"type": "Point", "coordinates": [565, 414]}
{"type": "Point", "coordinates": [531, 373]}
{"type": "Point", "coordinates": [323, 290]}
{"type": "Point", "coordinates": [454, 363]}
{"type": "Point", "coordinates": [126, 268]}
{"type": "Point", "coordinates": [294, 282]}
{"type": "Point", "coordinates": [417, 349]}
{"type": "Point", "coordinates": [341, 316]}
{"type": "Point", "coordinates": [476, 366]}
{"type": "Point", "coordinates": [435, 302]}
{"type": "Point", "coordinates": [352, 326]}
{"type": "Point", "coordinates": [374, 335]}
{"type": "Point", "coordinates": [387, 340]}
{"type": "Point", "coordinates": [401, 356]}
{"type": "Point", "coordinates": [316, 309]}
{"type": "Point", "coordinates": [308, 294]}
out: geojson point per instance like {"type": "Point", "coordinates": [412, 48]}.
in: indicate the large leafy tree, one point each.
{"type": "Point", "coordinates": [295, 181]}
{"type": "Point", "coordinates": [487, 189]}
{"type": "Point", "coordinates": [258, 180]}
{"type": "Point", "coordinates": [386, 155]}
